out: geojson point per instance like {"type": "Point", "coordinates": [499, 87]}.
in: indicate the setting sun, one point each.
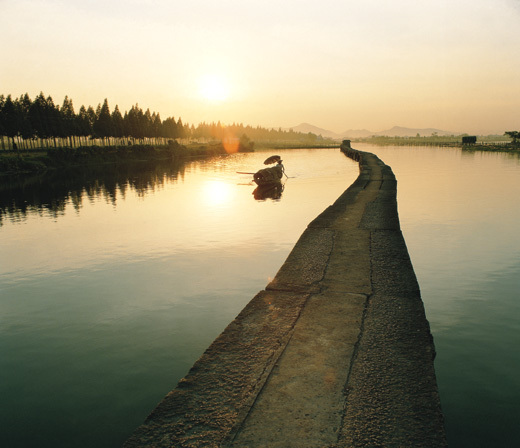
{"type": "Point", "coordinates": [214, 88]}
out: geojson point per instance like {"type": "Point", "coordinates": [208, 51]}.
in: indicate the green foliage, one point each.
{"type": "Point", "coordinates": [10, 118]}
{"type": "Point", "coordinates": [83, 122]}
{"type": "Point", "coordinates": [432, 140]}
{"type": "Point", "coordinates": [515, 135]}
{"type": "Point", "coordinates": [16, 165]}
{"type": "Point", "coordinates": [41, 119]}
{"type": "Point", "coordinates": [217, 131]}
{"type": "Point", "coordinates": [103, 126]}
{"type": "Point", "coordinates": [118, 124]}
{"type": "Point", "coordinates": [45, 118]}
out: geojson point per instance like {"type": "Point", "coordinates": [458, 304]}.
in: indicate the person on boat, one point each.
{"type": "Point", "coordinates": [280, 167]}
{"type": "Point", "coordinates": [269, 175]}
{"type": "Point", "coordinates": [272, 174]}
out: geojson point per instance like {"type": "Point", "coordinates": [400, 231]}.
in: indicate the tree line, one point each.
{"type": "Point", "coordinates": [219, 131]}
{"type": "Point", "coordinates": [515, 135]}
{"type": "Point", "coordinates": [27, 121]}
{"type": "Point", "coordinates": [42, 123]}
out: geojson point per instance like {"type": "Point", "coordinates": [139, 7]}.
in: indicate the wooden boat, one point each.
{"type": "Point", "coordinates": [268, 176]}
{"type": "Point", "coordinates": [272, 175]}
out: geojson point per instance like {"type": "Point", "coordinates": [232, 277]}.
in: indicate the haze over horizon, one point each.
{"type": "Point", "coordinates": [338, 64]}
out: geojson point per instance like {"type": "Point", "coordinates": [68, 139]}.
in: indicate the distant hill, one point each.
{"type": "Point", "coordinates": [305, 128]}
{"type": "Point", "coordinates": [357, 133]}
{"type": "Point", "coordinates": [396, 131]}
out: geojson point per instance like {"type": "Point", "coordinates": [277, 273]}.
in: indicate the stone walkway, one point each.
{"type": "Point", "coordinates": [335, 352]}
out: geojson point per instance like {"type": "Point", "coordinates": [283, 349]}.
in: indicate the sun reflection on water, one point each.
{"type": "Point", "coordinates": [217, 193]}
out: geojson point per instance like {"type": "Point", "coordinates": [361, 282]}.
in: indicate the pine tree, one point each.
{"type": "Point", "coordinates": [134, 122]}
{"type": "Point", "coordinates": [53, 117]}
{"type": "Point", "coordinates": [103, 124]}
{"type": "Point", "coordinates": [24, 105]}
{"type": "Point", "coordinates": [180, 129]}
{"type": "Point", "coordinates": [69, 121]}
{"type": "Point", "coordinates": [10, 119]}
{"type": "Point", "coordinates": [156, 126]}
{"type": "Point", "coordinates": [147, 124]}
{"type": "Point", "coordinates": [118, 124]}
{"type": "Point", "coordinates": [38, 117]}
{"type": "Point", "coordinates": [84, 129]}
{"type": "Point", "coordinates": [91, 119]}
{"type": "Point", "coordinates": [169, 128]}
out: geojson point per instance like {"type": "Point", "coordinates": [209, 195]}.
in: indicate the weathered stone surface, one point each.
{"type": "Point", "coordinates": [223, 384]}
{"type": "Point", "coordinates": [336, 352]}
{"type": "Point", "coordinates": [392, 396]}
{"type": "Point", "coordinates": [306, 264]}
{"type": "Point", "coordinates": [302, 402]}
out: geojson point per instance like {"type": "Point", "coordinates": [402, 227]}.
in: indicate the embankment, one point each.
{"type": "Point", "coordinates": [335, 352]}
{"type": "Point", "coordinates": [53, 159]}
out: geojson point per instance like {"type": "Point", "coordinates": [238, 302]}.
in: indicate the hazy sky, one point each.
{"type": "Point", "coordinates": [337, 64]}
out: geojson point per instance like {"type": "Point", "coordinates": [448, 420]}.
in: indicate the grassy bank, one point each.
{"type": "Point", "coordinates": [38, 161]}
{"type": "Point", "coordinates": [508, 147]}
{"type": "Point", "coordinates": [484, 143]}
{"type": "Point", "coordinates": [295, 145]}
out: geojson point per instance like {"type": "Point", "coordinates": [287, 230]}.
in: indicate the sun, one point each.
{"type": "Point", "coordinates": [214, 87]}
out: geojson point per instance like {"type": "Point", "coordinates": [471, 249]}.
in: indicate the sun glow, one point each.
{"type": "Point", "coordinates": [217, 193]}
{"type": "Point", "coordinates": [214, 88]}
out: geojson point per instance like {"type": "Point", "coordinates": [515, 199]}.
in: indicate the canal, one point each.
{"type": "Point", "coordinates": [113, 284]}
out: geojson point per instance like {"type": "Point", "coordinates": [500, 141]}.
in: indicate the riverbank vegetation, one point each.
{"type": "Point", "coordinates": [38, 161]}
{"type": "Point", "coordinates": [434, 140]}
{"type": "Point", "coordinates": [27, 124]}
{"type": "Point", "coordinates": [482, 141]}
{"type": "Point", "coordinates": [38, 135]}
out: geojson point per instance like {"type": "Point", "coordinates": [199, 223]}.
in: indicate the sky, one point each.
{"type": "Point", "coordinates": [337, 64]}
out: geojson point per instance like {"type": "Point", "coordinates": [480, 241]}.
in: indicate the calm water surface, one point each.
{"type": "Point", "coordinates": [112, 286]}
{"type": "Point", "coordinates": [460, 216]}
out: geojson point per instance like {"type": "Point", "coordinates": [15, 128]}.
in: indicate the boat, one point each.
{"type": "Point", "coordinates": [267, 176]}
{"type": "Point", "coordinates": [272, 175]}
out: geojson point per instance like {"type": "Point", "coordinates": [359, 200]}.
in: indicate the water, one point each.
{"type": "Point", "coordinates": [460, 217]}
{"type": "Point", "coordinates": [111, 286]}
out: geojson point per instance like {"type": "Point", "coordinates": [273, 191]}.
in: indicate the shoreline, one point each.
{"type": "Point", "coordinates": [34, 162]}
{"type": "Point", "coordinates": [491, 147]}
{"type": "Point", "coordinates": [39, 161]}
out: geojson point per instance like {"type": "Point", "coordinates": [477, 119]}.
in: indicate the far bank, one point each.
{"type": "Point", "coordinates": [39, 161]}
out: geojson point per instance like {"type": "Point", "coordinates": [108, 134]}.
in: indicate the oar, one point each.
{"type": "Point", "coordinates": [242, 172]}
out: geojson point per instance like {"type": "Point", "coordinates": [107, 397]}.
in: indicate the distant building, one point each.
{"type": "Point", "coordinates": [471, 139]}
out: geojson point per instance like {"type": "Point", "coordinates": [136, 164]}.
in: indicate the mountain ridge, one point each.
{"type": "Point", "coordinates": [396, 131]}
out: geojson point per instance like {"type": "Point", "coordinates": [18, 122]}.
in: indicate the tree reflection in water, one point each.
{"type": "Point", "coordinates": [50, 193]}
